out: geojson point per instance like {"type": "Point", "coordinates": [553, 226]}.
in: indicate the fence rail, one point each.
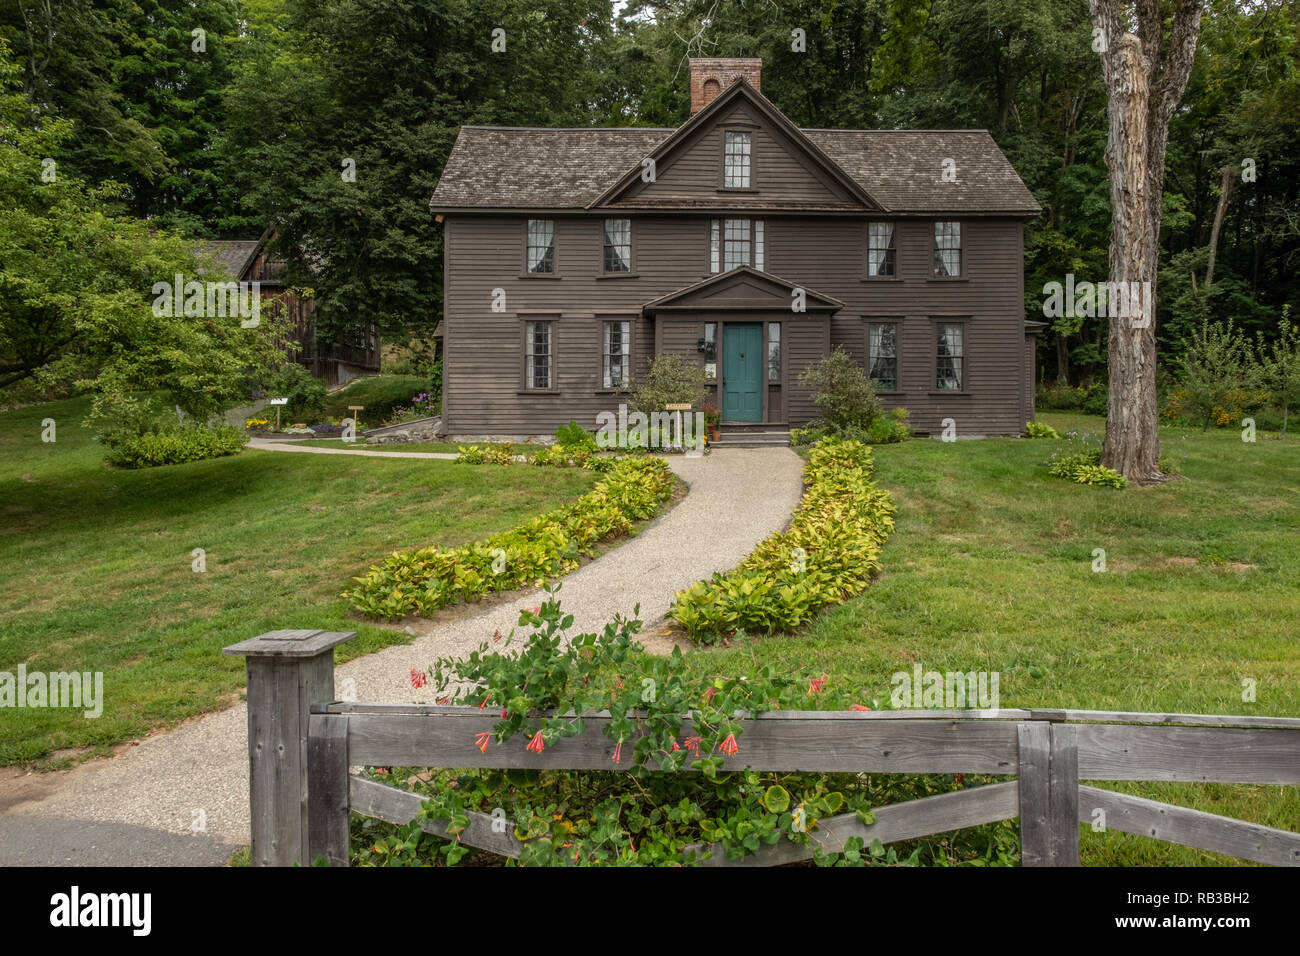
{"type": "Point", "coordinates": [302, 744]}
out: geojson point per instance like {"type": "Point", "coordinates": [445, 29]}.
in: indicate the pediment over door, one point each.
{"type": "Point", "coordinates": [744, 290]}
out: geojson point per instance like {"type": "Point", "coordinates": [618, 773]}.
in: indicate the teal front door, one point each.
{"type": "Point", "coordinates": [742, 373]}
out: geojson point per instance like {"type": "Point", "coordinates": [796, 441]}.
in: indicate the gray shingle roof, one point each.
{"type": "Point", "coordinates": [500, 167]}
{"type": "Point", "coordinates": [903, 169]}
{"type": "Point", "coordinates": [495, 167]}
{"type": "Point", "coordinates": [234, 254]}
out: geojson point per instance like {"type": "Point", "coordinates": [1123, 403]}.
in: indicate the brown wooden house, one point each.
{"type": "Point", "coordinates": [334, 362]}
{"type": "Point", "coordinates": [573, 256]}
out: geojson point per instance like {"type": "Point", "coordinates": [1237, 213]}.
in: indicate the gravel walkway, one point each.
{"type": "Point", "coordinates": [737, 497]}
{"type": "Point", "coordinates": [263, 444]}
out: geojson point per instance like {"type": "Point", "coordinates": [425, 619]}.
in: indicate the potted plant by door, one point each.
{"type": "Point", "coordinates": [712, 419]}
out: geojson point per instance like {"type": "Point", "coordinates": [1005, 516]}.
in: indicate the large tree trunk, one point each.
{"type": "Point", "coordinates": [1143, 90]}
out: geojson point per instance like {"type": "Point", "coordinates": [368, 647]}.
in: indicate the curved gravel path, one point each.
{"type": "Point", "coordinates": [289, 444]}
{"type": "Point", "coordinates": [737, 497]}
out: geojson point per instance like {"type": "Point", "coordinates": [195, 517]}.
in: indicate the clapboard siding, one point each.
{"type": "Point", "coordinates": [483, 374]}
{"type": "Point", "coordinates": [781, 171]}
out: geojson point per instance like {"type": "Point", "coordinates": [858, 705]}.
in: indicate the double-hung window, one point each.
{"type": "Point", "coordinates": [735, 242]}
{"type": "Point", "coordinates": [616, 352]}
{"type": "Point", "coordinates": [950, 372]}
{"type": "Point", "coordinates": [736, 159]}
{"type": "Point", "coordinates": [881, 254]}
{"type": "Point", "coordinates": [947, 249]}
{"type": "Point", "coordinates": [539, 364]}
{"type": "Point", "coordinates": [882, 355]}
{"type": "Point", "coordinates": [618, 245]}
{"type": "Point", "coordinates": [541, 246]}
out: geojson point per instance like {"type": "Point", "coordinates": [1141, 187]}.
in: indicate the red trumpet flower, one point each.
{"type": "Point", "coordinates": [536, 745]}
{"type": "Point", "coordinates": [482, 738]}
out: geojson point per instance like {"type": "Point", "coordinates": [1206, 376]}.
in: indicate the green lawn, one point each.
{"type": "Point", "coordinates": [425, 446]}
{"type": "Point", "coordinates": [98, 563]}
{"type": "Point", "coordinates": [992, 561]}
{"type": "Point", "coordinates": [380, 394]}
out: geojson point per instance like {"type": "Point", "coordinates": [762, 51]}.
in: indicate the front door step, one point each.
{"type": "Point", "coordinates": [751, 437]}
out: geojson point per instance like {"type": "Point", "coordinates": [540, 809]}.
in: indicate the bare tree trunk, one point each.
{"type": "Point", "coordinates": [1225, 190]}
{"type": "Point", "coordinates": [1143, 89]}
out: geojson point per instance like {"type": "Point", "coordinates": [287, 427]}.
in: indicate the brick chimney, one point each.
{"type": "Point", "coordinates": [710, 76]}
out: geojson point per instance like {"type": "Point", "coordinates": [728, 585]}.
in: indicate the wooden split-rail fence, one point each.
{"type": "Point", "coordinates": [302, 742]}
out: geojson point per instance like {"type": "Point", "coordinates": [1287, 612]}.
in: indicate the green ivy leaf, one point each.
{"type": "Point", "coordinates": [776, 799]}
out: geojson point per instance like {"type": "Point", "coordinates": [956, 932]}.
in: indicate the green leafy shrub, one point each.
{"type": "Point", "coordinates": [648, 813]}
{"type": "Point", "coordinates": [1217, 364]}
{"type": "Point", "coordinates": [1095, 400]}
{"type": "Point", "coordinates": [890, 428]}
{"type": "Point", "coordinates": [1060, 397]}
{"type": "Point", "coordinates": [1098, 475]}
{"type": "Point", "coordinates": [842, 393]}
{"type": "Point", "coordinates": [414, 358]}
{"type": "Point", "coordinates": [306, 394]}
{"type": "Point", "coordinates": [1080, 460]}
{"type": "Point", "coordinates": [674, 793]}
{"type": "Point", "coordinates": [806, 436]}
{"type": "Point", "coordinates": [670, 380]}
{"type": "Point", "coordinates": [1040, 430]}
{"type": "Point", "coordinates": [502, 453]}
{"type": "Point", "coordinates": [174, 445]}
{"type": "Point", "coordinates": [884, 430]}
{"type": "Point", "coordinates": [574, 437]}
{"type": "Point", "coordinates": [827, 555]}
{"type": "Point", "coordinates": [424, 580]}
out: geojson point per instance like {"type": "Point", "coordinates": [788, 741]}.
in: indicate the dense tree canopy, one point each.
{"type": "Point", "coordinates": [265, 125]}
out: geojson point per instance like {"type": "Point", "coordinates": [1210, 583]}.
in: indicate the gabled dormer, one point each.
{"type": "Point", "coordinates": [737, 151]}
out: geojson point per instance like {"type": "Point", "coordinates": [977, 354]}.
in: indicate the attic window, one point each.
{"type": "Point", "coordinates": [735, 160]}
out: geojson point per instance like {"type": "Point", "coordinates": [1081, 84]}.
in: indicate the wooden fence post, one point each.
{"type": "Point", "coordinates": [327, 788]}
{"type": "Point", "coordinates": [1049, 793]}
{"type": "Point", "coordinates": [288, 671]}
{"type": "Point", "coordinates": [1063, 790]}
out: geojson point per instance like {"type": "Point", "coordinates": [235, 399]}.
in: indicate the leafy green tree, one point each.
{"type": "Point", "coordinates": [141, 81]}
{"type": "Point", "coordinates": [342, 115]}
{"type": "Point", "coordinates": [1217, 363]}
{"type": "Point", "coordinates": [1280, 366]}
{"type": "Point", "coordinates": [77, 286]}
